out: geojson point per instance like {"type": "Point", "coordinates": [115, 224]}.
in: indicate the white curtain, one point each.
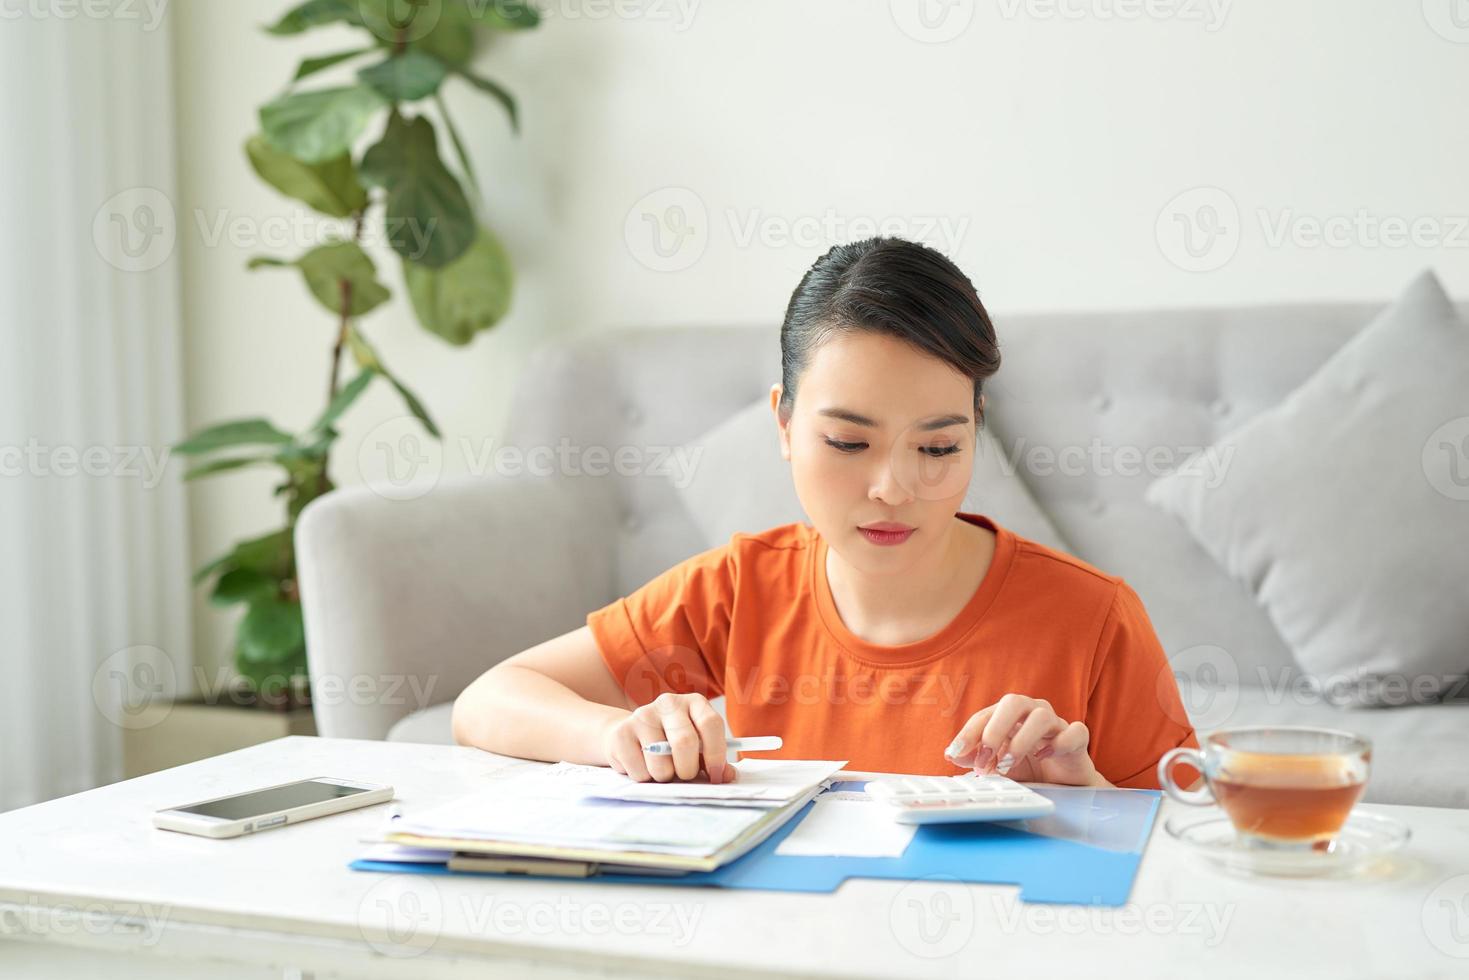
{"type": "Point", "coordinates": [94, 591]}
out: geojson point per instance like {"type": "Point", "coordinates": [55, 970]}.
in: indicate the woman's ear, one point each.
{"type": "Point", "coordinates": [781, 427]}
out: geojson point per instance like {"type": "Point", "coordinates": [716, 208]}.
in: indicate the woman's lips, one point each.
{"type": "Point", "coordinates": [881, 535]}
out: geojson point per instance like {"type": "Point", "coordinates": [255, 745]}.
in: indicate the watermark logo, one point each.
{"type": "Point", "coordinates": [1199, 229]}
{"type": "Point", "coordinates": [140, 923]}
{"type": "Point", "coordinates": [1204, 681]}
{"type": "Point", "coordinates": [932, 21]}
{"type": "Point", "coordinates": [149, 12]}
{"type": "Point", "coordinates": [135, 230]}
{"type": "Point", "coordinates": [401, 916]}
{"type": "Point", "coordinates": [672, 668]}
{"type": "Point", "coordinates": [944, 232]}
{"type": "Point", "coordinates": [1448, 18]}
{"type": "Point", "coordinates": [1207, 920]}
{"type": "Point", "coordinates": [403, 21]}
{"type": "Point", "coordinates": [1446, 458]}
{"type": "Point", "coordinates": [1445, 916]}
{"type": "Point", "coordinates": [1210, 13]}
{"type": "Point", "coordinates": [679, 13]}
{"type": "Point", "coordinates": [667, 230]}
{"type": "Point", "coordinates": [134, 687]}
{"type": "Point", "coordinates": [146, 464]}
{"type": "Point", "coordinates": [933, 917]}
{"type": "Point", "coordinates": [398, 460]}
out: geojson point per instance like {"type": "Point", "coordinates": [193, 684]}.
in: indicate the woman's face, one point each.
{"type": "Point", "coordinates": [881, 435]}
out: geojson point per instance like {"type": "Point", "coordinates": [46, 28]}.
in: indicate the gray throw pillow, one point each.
{"type": "Point", "coordinates": [743, 484]}
{"type": "Point", "coordinates": [1346, 508]}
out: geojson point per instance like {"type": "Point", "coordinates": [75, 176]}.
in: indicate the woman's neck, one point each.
{"type": "Point", "coordinates": [891, 610]}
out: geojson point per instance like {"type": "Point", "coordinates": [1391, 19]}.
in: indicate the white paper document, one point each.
{"type": "Point", "coordinates": [576, 806]}
{"type": "Point", "coordinates": [761, 782]}
{"type": "Point", "coordinates": [583, 822]}
{"type": "Point", "coordinates": [847, 825]}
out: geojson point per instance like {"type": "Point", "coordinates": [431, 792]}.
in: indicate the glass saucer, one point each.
{"type": "Point", "coordinates": [1362, 839]}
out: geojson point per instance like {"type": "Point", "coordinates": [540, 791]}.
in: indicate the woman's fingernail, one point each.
{"type": "Point", "coordinates": [956, 748]}
{"type": "Point", "coordinates": [983, 758]}
{"type": "Point", "coordinates": [1006, 762]}
{"type": "Point", "coordinates": [1046, 752]}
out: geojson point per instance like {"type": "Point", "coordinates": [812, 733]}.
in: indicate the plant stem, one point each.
{"type": "Point", "coordinates": [343, 325]}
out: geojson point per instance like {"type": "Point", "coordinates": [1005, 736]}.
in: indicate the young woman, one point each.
{"type": "Point", "coordinates": [893, 631]}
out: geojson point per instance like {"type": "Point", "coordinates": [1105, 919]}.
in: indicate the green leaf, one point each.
{"type": "Point", "coordinates": [367, 358]}
{"type": "Point", "coordinates": [458, 143]}
{"type": "Point", "coordinates": [496, 90]}
{"type": "Point", "coordinates": [315, 13]}
{"type": "Point", "coordinates": [326, 267]}
{"type": "Point", "coordinates": [208, 569]}
{"type": "Point", "coordinates": [223, 465]}
{"type": "Point", "coordinates": [451, 38]}
{"type": "Point", "coordinates": [272, 554]}
{"type": "Point", "coordinates": [468, 295]}
{"type": "Point", "coordinates": [429, 220]}
{"type": "Point", "coordinates": [363, 353]}
{"type": "Point", "coordinates": [316, 126]}
{"type": "Point", "coordinates": [415, 406]}
{"type": "Point", "coordinates": [272, 632]}
{"type": "Point", "coordinates": [442, 28]}
{"type": "Point", "coordinates": [243, 585]}
{"type": "Point", "coordinates": [295, 457]}
{"type": "Point", "coordinates": [344, 400]}
{"type": "Point", "coordinates": [405, 77]}
{"type": "Point", "coordinates": [503, 15]}
{"type": "Point", "coordinates": [244, 432]}
{"type": "Point", "coordinates": [330, 187]}
{"type": "Point", "coordinates": [313, 65]}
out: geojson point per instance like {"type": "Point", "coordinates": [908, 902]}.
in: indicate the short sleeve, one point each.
{"type": "Point", "coordinates": [671, 634]}
{"type": "Point", "coordinates": [1134, 711]}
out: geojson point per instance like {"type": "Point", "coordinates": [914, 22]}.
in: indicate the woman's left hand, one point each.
{"type": "Point", "coordinates": [1023, 738]}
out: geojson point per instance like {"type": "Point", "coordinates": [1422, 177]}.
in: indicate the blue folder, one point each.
{"type": "Point", "coordinates": [1087, 852]}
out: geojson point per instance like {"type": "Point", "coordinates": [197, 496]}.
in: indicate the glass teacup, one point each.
{"type": "Point", "coordinates": [1283, 787]}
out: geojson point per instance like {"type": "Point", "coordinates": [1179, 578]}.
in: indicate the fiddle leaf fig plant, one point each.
{"type": "Point", "coordinates": [457, 275]}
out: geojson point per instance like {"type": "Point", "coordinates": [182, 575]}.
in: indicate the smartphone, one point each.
{"type": "Point", "coordinates": [274, 806]}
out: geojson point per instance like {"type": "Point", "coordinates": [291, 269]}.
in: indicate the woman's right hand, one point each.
{"type": "Point", "coordinates": [688, 722]}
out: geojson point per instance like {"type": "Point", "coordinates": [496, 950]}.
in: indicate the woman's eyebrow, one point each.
{"type": "Point", "coordinates": [847, 415]}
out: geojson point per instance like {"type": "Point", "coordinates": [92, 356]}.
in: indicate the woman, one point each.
{"type": "Point", "coordinates": [892, 631]}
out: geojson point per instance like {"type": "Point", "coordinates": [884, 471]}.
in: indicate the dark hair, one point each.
{"type": "Point", "coordinates": [895, 287]}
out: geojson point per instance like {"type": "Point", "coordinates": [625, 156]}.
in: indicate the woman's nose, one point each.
{"type": "Point", "coordinates": [889, 486]}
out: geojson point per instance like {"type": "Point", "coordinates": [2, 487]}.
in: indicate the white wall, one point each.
{"type": "Point", "coordinates": [1043, 144]}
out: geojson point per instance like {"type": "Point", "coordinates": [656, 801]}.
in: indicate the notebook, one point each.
{"type": "Point", "coordinates": [591, 814]}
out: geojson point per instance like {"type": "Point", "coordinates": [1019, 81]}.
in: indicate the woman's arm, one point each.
{"type": "Point", "coordinates": [553, 702]}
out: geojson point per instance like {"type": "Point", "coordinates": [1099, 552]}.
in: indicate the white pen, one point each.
{"type": "Point", "coordinates": [760, 743]}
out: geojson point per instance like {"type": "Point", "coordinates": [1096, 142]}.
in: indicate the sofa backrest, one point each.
{"type": "Point", "coordinates": [1090, 406]}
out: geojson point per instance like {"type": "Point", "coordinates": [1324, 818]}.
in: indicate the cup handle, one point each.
{"type": "Point", "coordinates": [1194, 797]}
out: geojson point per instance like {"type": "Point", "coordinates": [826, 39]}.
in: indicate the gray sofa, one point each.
{"type": "Point", "coordinates": [406, 601]}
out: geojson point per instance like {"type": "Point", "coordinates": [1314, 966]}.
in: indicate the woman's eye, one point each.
{"type": "Point", "coordinates": [939, 450]}
{"type": "Point", "coordinates": [846, 447]}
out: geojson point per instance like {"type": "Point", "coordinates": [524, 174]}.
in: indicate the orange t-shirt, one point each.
{"type": "Point", "coordinates": [754, 620]}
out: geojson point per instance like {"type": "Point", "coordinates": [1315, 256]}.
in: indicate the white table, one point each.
{"type": "Point", "coordinates": [89, 887]}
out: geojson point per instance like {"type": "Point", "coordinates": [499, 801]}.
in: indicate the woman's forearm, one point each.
{"type": "Point", "coordinates": [517, 711]}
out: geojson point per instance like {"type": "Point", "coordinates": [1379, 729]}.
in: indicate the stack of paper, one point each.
{"type": "Point", "coordinates": [589, 813]}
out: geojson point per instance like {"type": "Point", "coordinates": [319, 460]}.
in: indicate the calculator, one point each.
{"type": "Point", "coordinates": [958, 799]}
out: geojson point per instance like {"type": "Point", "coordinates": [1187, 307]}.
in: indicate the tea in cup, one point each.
{"type": "Point", "coordinates": [1282, 787]}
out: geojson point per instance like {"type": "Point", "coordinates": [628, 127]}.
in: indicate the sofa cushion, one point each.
{"type": "Point", "coordinates": [1417, 751]}
{"type": "Point", "coordinates": [742, 483]}
{"type": "Point", "coordinates": [432, 726]}
{"type": "Point", "coordinates": [1339, 507]}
